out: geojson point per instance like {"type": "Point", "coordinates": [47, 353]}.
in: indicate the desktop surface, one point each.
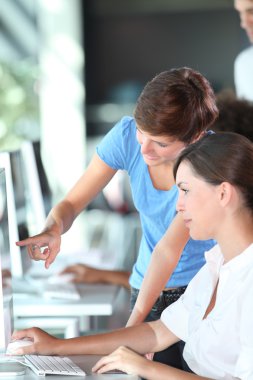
{"type": "Point", "coordinates": [95, 299]}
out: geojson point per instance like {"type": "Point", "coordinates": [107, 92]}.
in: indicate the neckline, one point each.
{"type": "Point", "coordinates": [152, 180]}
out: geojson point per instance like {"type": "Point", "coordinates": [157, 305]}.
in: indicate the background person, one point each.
{"type": "Point", "coordinates": [174, 109]}
{"type": "Point", "coordinates": [85, 274]}
{"type": "Point", "coordinates": [243, 73]}
{"type": "Point", "coordinates": [235, 115]}
{"type": "Point", "coordinates": [214, 315]}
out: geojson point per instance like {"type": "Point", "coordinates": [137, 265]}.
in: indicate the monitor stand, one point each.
{"type": "Point", "coordinates": [11, 369]}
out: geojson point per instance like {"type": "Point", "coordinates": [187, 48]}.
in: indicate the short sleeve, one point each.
{"type": "Point", "coordinates": [176, 318]}
{"type": "Point", "coordinates": [115, 147]}
{"type": "Point", "coordinates": [181, 316]}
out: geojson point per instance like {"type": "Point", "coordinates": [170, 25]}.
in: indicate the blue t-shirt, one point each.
{"type": "Point", "coordinates": [120, 150]}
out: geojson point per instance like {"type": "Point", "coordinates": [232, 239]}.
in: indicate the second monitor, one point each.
{"type": "Point", "coordinates": [25, 202]}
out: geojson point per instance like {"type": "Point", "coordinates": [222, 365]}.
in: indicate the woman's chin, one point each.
{"type": "Point", "coordinates": [197, 236]}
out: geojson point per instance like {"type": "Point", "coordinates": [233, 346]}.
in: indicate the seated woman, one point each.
{"type": "Point", "coordinates": [214, 315]}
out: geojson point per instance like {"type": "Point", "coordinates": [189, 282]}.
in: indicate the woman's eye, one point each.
{"type": "Point", "coordinates": [162, 145]}
{"type": "Point", "coordinates": [185, 191]}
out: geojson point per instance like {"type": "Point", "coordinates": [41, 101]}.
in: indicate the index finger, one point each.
{"type": "Point", "coordinates": [33, 242]}
{"type": "Point", "coordinates": [38, 249]}
{"type": "Point", "coordinates": [25, 350]}
{"type": "Point", "coordinates": [28, 241]}
{"type": "Point", "coordinates": [21, 334]}
{"type": "Point", "coordinates": [101, 363]}
{"type": "Point", "coordinates": [97, 366]}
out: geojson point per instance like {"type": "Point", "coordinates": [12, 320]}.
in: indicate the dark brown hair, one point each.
{"type": "Point", "coordinates": [222, 157]}
{"type": "Point", "coordinates": [235, 115]}
{"type": "Point", "coordinates": [179, 103]}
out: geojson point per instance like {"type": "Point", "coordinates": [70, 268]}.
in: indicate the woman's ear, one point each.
{"type": "Point", "coordinates": [225, 193]}
{"type": "Point", "coordinates": [202, 134]}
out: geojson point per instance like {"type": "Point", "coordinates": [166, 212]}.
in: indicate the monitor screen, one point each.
{"type": "Point", "coordinates": [15, 251]}
{"type": "Point", "coordinates": [27, 191]}
{"type": "Point", "coordinates": [25, 202]}
{"type": "Point", "coordinates": [6, 296]}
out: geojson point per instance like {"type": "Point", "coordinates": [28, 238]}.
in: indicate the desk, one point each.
{"type": "Point", "coordinates": [85, 362]}
{"type": "Point", "coordinates": [96, 300]}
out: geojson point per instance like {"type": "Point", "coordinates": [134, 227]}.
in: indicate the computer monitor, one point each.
{"type": "Point", "coordinates": [6, 299]}
{"type": "Point", "coordinates": [29, 201]}
{"type": "Point", "coordinates": [15, 251]}
{"type": "Point", "coordinates": [25, 202]}
{"type": "Point", "coordinates": [6, 295]}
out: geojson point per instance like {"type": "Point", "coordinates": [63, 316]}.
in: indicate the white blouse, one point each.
{"type": "Point", "coordinates": [221, 345]}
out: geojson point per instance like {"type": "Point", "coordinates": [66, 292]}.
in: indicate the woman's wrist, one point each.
{"type": "Point", "coordinates": [135, 318]}
{"type": "Point", "coordinates": [62, 347]}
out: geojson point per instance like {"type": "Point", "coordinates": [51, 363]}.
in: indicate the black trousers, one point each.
{"type": "Point", "coordinates": [173, 355]}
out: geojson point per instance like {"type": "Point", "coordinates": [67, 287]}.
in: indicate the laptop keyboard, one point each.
{"type": "Point", "coordinates": [53, 365]}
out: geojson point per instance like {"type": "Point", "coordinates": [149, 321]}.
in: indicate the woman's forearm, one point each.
{"type": "Point", "coordinates": [158, 371]}
{"type": "Point", "coordinates": [60, 218]}
{"type": "Point", "coordinates": [140, 338]}
{"type": "Point", "coordinates": [164, 260]}
{"type": "Point", "coordinates": [151, 287]}
{"type": "Point", "coordinates": [146, 337]}
{"type": "Point", "coordinates": [95, 178]}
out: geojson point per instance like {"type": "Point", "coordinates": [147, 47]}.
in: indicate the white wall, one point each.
{"type": "Point", "coordinates": [61, 60]}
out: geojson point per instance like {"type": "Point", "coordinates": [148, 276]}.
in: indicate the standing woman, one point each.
{"type": "Point", "coordinates": [174, 109]}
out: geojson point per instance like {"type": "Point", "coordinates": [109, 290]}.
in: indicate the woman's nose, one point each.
{"type": "Point", "coordinates": [145, 145]}
{"type": "Point", "coordinates": [180, 203]}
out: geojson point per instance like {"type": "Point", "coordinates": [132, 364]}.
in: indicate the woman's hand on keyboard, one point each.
{"type": "Point", "coordinates": [123, 359]}
{"type": "Point", "coordinates": [84, 274]}
{"type": "Point", "coordinates": [43, 343]}
{"type": "Point", "coordinates": [44, 246]}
